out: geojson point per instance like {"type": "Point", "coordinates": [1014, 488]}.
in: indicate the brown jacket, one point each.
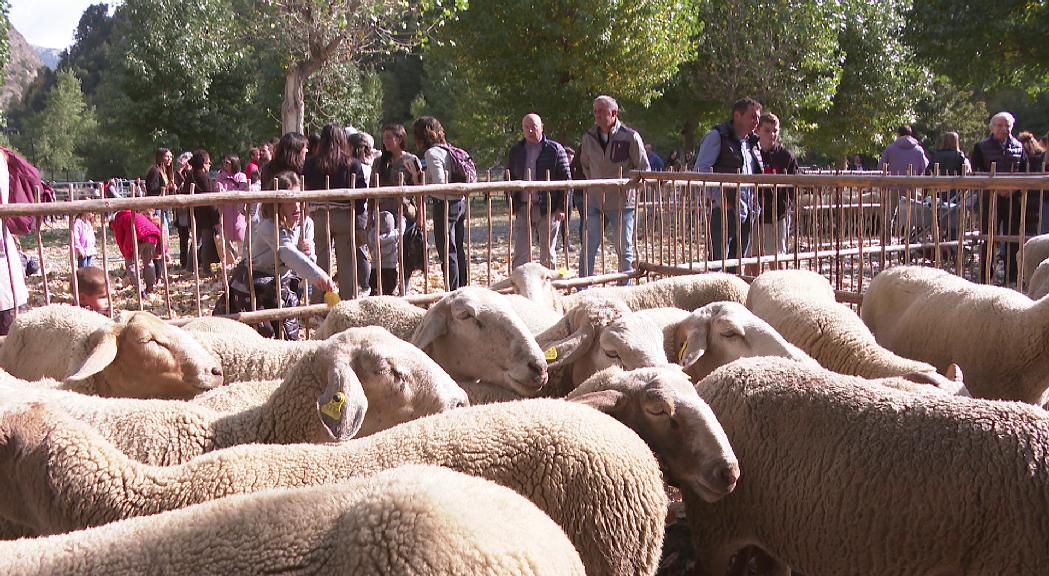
{"type": "Point", "coordinates": [625, 150]}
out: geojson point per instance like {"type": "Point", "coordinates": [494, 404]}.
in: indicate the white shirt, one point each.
{"type": "Point", "coordinates": [10, 268]}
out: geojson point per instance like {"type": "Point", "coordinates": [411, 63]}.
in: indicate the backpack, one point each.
{"type": "Point", "coordinates": [461, 166]}
{"type": "Point", "coordinates": [24, 182]}
{"type": "Point", "coordinates": [414, 256]}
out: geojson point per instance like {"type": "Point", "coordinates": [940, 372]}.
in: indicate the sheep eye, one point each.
{"type": "Point", "coordinates": [611, 353]}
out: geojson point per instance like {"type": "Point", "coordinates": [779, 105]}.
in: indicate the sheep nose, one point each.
{"type": "Point", "coordinates": [729, 475]}
{"type": "Point", "coordinates": [458, 404]}
{"type": "Point", "coordinates": [536, 368]}
{"type": "Point", "coordinates": [216, 371]}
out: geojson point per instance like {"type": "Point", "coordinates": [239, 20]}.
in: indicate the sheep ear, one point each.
{"type": "Point", "coordinates": [954, 373]}
{"type": "Point", "coordinates": [570, 349]}
{"type": "Point", "coordinates": [101, 351]}
{"type": "Point", "coordinates": [433, 325]}
{"type": "Point", "coordinates": [695, 344]}
{"type": "Point", "coordinates": [728, 325]}
{"type": "Point", "coordinates": [342, 404]}
{"type": "Point", "coordinates": [602, 400]}
{"type": "Point", "coordinates": [657, 400]}
{"type": "Point", "coordinates": [502, 284]}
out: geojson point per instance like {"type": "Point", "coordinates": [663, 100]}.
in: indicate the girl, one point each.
{"type": "Point", "coordinates": [281, 234]}
{"type": "Point", "coordinates": [84, 238]}
{"type": "Point", "coordinates": [126, 226]}
{"type": "Point", "coordinates": [231, 179]}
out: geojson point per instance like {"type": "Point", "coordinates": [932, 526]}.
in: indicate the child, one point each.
{"type": "Point", "coordinates": [278, 235]}
{"type": "Point", "coordinates": [384, 252]}
{"type": "Point", "coordinates": [91, 289]}
{"type": "Point", "coordinates": [126, 226]}
{"type": "Point", "coordinates": [84, 238]}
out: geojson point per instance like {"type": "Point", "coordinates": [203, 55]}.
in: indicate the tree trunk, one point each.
{"type": "Point", "coordinates": [293, 109]}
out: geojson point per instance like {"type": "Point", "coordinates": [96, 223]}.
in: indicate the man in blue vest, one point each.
{"type": "Point", "coordinates": [732, 148]}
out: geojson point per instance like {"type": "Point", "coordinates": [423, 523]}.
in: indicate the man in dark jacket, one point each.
{"type": "Point", "coordinates": [536, 157]}
{"type": "Point", "coordinates": [1006, 154]}
{"type": "Point", "coordinates": [731, 148]}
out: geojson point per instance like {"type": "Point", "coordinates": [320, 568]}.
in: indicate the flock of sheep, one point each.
{"type": "Point", "coordinates": [803, 438]}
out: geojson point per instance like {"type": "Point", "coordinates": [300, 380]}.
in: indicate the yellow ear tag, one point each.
{"type": "Point", "coordinates": [331, 298]}
{"type": "Point", "coordinates": [550, 354]}
{"type": "Point", "coordinates": [681, 353]}
{"type": "Point", "coordinates": [563, 272]}
{"type": "Point", "coordinates": [333, 408]}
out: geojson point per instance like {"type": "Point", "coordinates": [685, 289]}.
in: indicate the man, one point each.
{"type": "Point", "coordinates": [776, 202]}
{"type": "Point", "coordinates": [731, 148]}
{"type": "Point", "coordinates": [608, 149]}
{"type": "Point", "coordinates": [1001, 150]}
{"type": "Point", "coordinates": [536, 157]}
{"type": "Point", "coordinates": [654, 160]}
{"type": "Point", "coordinates": [905, 155]}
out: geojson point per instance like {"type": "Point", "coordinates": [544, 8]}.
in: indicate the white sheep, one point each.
{"type": "Point", "coordinates": [845, 477]}
{"type": "Point", "coordinates": [220, 325]}
{"type": "Point", "coordinates": [1035, 251]}
{"type": "Point", "coordinates": [413, 519]}
{"type": "Point", "coordinates": [800, 305]}
{"type": "Point", "coordinates": [999, 337]}
{"type": "Point", "coordinates": [662, 406]}
{"type": "Point", "coordinates": [1038, 283]}
{"type": "Point", "coordinates": [593, 476]}
{"type": "Point", "coordinates": [139, 356]}
{"type": "Point", "coordinates": [684, 292]}
{"type": "Point", "coordinates": [391, 312]}
{"type": "Point", "coordinates": [532, 280]}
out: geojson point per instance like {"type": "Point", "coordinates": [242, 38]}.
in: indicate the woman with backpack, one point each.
{"type": "Point", "coordinates": [333, 167]}
{"type": "Point", "coordinates": [449, 212]}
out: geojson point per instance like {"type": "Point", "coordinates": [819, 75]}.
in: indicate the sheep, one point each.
{"type": "Point", "coordinates": [662, 406]}
{"type": "Point", "coordinates": [251, 359]}
{"type": "Point", "coordinates": [220, 325]}
{"type": "Point", "coordinates": [1035, 251]}
{"type": "Point", "coordinates": [532, 281]}
{"type": "Point", "coordinates": [412, 519]}
{"type": "Point", "coordinates": [800, 305]}
{"type": "Point", "coordinates": [139, 356]}
{"type": "Point", "coordinates": [999, 337]}
{"type": "Point", "coordinates": [537, 317]}
{"type": "Point", "coordinates": [1038, 283]}
{"type": "Point", "coordinates": [684, 292]}
{"type": "Point", "coordinates": [589, 473]}
{"type": "Point", "coordinates": [391, 312]}
{"type": "Point", "coordinates": [320, 400]}
{"type": "Point", "coordinates": [570, 344]}
{"type": "Point", "coordinates": [844, 477]}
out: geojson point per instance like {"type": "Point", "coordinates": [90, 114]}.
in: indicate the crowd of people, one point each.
{"type": "Point", "coordinates": [364, 240]}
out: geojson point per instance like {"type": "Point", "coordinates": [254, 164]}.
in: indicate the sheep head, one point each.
{"type": "Point", "coordinates": [401, 382]}
{"type": "Point", "coordinates": [145, 357]}
{"type": "Point", "coordinates": [722, 332]}
{"type": "Point", "coordinates": [575, 343]}
{"type": "Point", "coordinates": [24, 429]}
{"type": "Point", "coordinates": [533, 281]}
{"type": "Point", "coordinates": [474, 334]}
{"type": "Point", "coordinates": [662, 406]}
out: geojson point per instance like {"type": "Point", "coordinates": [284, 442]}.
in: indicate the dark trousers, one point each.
{"type": "Point", "coordinates": [451, 226]}
{"type": "Point", "coordinates": [1006, 222]}
{"type": "Point", "coordinates": [719, 241]}
{"type": "Point", "coordinates": [183, 246]}
{"type": "Point", "coordinates": [389, 281]}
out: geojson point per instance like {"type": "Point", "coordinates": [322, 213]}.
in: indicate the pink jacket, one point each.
{"type": "Point", "coordinates": [146, 231]}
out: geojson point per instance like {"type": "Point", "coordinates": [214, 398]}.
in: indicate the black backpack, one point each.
{"type": "Point", "coordinates": [461, 167]}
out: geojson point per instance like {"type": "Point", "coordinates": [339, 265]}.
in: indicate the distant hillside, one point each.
{"type": "Point", "coordinates": [22, 68]}
{"type": "Point", "coordinates": [49, 56]}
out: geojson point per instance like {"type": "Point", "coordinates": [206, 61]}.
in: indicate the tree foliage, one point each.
{"type": "Point", "coordinates": [499, 60]}
{"type": "Point", "coordinates": [983, 45]}
{"type": "Point", "coordinates": [5, 24]}
{"type": "Point", "coordinates": [64, 128]}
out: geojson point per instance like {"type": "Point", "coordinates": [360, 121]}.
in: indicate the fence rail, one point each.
{"type": "Point", "coordinates": [845, 226]}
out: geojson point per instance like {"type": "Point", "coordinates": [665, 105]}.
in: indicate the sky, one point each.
{"type": "Point", "coordinates": [49, 23]}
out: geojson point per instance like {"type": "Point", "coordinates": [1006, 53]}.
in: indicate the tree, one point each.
{"type": "Point", "coordinates": [89, 56]}
{"type": "Point", "coordinates": [62, 129]}
{"type": "Point", "coordinates": [500, 60]}
{"type": "Point", "coordinates": [345, 94]}
{"type": "Point", "coordinates": [312, 34]}
{"type": "Point", "coordinates": [983, 45]}
{"type": "Point", "coordinates": [5, 23]}
{"type": "Point", "coordinates": [947, 108]}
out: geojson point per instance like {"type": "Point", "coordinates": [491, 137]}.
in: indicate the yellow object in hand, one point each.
{"type": "Point", "coordinates": [563, 272]}
{"type": "Point", "coordinates": [333, 408]}
{"type": "Point", "coordinates": [331, 298]}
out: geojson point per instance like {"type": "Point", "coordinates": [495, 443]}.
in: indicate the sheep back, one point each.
{"type": "Point", "coordinates": [393, 313]}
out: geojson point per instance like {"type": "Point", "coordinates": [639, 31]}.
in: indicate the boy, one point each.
{"type": "Point", "coordinates": [91, 287]}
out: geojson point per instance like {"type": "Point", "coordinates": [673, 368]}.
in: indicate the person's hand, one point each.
{"type": "Point", "coordinates": [304, 247]}
{"type": "Point", "coordinates": [325, 283]}
{"type": "Point", "coordinates": [557, 215]}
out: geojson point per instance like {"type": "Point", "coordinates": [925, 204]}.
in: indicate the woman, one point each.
{"type": "Point", "coordinates": [289, 154]}
{"type": "Point", "coordinates": [333, 168]}
{"type": "Point", "coordinates": [282, 234]}
{"type": "Point", "coordinates": [1036, 162]}
{"type": "Point", "coordinates": [207, 217]}
{"type": "Point", "coordinates": [160, 181]}
{"type": "Point", "coordinates": [183, 176]}
{"type": "Point", "coordinates": [396, 167]}
{"type": "Point", "coordinates": [448, 222]}
{"type": "Point", "coordinates": [231, 179]}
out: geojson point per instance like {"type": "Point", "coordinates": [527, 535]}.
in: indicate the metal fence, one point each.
{"type": "Point", "coordinates": [847, 227]}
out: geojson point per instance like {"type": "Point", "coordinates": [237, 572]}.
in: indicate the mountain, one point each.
{"type": "Point", "coordinates": [49, 56]}
{"type": "Point", "coordinates": [21, 69]}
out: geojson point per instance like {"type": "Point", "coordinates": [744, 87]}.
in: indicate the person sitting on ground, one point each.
{"type": "Point", "coordinates": [281, 234]}
{"type": "Point", "coordinates": [91, 289]}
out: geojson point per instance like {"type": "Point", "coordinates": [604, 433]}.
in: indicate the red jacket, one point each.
{"type": "Point", "coordinates": [146, 230]}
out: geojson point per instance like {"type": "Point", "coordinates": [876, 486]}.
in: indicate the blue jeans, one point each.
{"type": "Point", "coordinates": [596, 222]}
{"type": "Point", "coordinates": [735, 246]}
{"type": "Point", "coordinates": [83, 262]}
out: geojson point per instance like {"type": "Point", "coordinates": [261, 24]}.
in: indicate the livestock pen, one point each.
{"type": "Point", "coordinates": [846, 226]}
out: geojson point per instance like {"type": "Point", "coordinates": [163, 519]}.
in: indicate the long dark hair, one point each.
{"type": "Point", "coordinates": [428, 132]}
{"type": "Point", "coordinates": [334, 150]}
{"type": "Point", "coordinates": [167, 171]}
{"type": "Point", "coordinates": [287, 155]}
{"type": "Point", "coordinates": [199, 158]}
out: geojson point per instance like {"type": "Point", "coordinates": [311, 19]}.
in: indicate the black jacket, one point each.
{"type": "Point", "coordinates": [777, 202]}
{"type": "Point", "coordinates": [552, 161]}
